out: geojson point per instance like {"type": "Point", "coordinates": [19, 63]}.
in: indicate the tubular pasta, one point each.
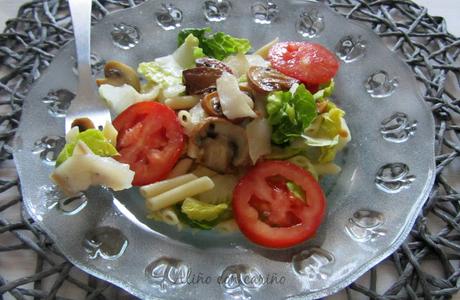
{"type": "Point", "coordinates": [170, 217]}
{"type": "Point", "coordinates": [185, 119]}
{"type": "Point", "coordinates": [166, 215]}
{"type": "Point", "coordinates": [154, 189]}
{"type": "Point", "coordinates": [179, 193]}
{"type": "Point", "coordinates": [182, 102]}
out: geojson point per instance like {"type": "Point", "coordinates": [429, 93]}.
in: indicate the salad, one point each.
{"type": "Point", "coordinates": [215, 137]}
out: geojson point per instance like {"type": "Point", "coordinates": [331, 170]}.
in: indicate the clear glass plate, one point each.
{"type": "Point", "coordinates": [388, 168]}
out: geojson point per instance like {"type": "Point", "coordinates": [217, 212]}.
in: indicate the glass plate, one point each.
{"type": "Point", "coordinates": [387, 169]}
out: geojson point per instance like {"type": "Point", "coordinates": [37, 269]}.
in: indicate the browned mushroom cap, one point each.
{"type": "Point", "coordinates": [265, 80]}
{"type": "Point", "coordinates": [117, 74]}
{"type": "Point", "coordinates": [247, 90]}
{"type": "Point", "coordinates": [211, 105]}
{"type": "Point", "coordinates": [213, 63]}
{"type": "Point", "coordinates": [199, 79]}
{"type": "Point", "coordinates": [82, 124]}
{"type": "Point", "coordinates": [223, 145]}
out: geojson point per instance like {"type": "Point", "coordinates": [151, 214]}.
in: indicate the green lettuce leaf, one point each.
{"type": "Point", "coordinates": [331, 124]}
{"type": "Point", "coordinates": [94, 139]}
{"type": "Point", "coordinates": [290, 114]}
{"type": "Point", "coordinates": [303, 162]}
{"type": "Point", "coordinates": [201, 211]}
{"type": "Point", "coordinates": [166, 72]}
{"type": "Point", "coordinates": [324, 135]}
{"type": "Point", "coordinates": [320, 142]}
{"type": "Point", "coordinates": [204, 225]}
{"type": "Point", "coordinates": [327, 154]}
{"type": "Point", "coordinates": [199, 33]}
{"type": "Point", "coordinates": [188, 52]}
{"type": "Point", "coordinates": [218, 45]}
{"type": "Point", "coordinates": [282, 153]}
{"type": "Point", "coordinates": [325, 90]}
{"type": "Point", "coordinates": [296, 190]}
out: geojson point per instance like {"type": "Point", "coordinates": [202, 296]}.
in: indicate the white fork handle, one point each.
{"type": "Point", "coordinates": [80, 11]}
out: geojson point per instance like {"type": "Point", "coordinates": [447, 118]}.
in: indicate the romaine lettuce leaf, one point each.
{"type": "Point", "coordinates": [325, 135]}
{"type": "Point", "coordinates": [296, 190]}
{"type": "Point", "coordinates": [325, 90]}
{"type": "Point", "coordinates": [218, 45]}
{"type": "Point", "coordinates": [280, 153]}
{"type": "Point", "coordinates": [186, 54]}
{"type": "Point", "coordinates": [320, 142]}
{"type": "Point", "coordinates": [290, 113]}
{"type": "Point", "coordinates": [204, 225]}
{"type": "Point", "coordinates": [303, 162]}
{"type": "Point", "coordinates": [94, 139]}
{"type": "Point", "coordinates": [331, 124]}
{"type": "Point", "coordinates": [327, 154]}
{"type": "Point", "coordinates": [166, 72]}
{"type": "Point", "coordinates": [201, 211]}
{"type": "Point", "coordinates": [199, 33]}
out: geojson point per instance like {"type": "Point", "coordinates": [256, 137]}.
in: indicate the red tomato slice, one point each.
{"type": "Point", "coordinates": [310, 63]}
{"type": "Point", "coordinates": [269, 214]}
{"type": "Point", "coordinates": [150, 139]}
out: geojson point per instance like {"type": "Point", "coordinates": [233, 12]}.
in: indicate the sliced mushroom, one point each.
{"type": "Point", "coordinates": [82, 124]}
{"type": "Point", "coordinates": [212, 63]}
{"type": "Point", "coordinates": [265, 80]}
{"type": "Point", "coordinates": [198, 80]}
{"type": "Point", "coordinates": [118, 74]}
{"type": "Point", "coordinates": [247, 90]}
{"type": "Point", "coordinates": [211, 105]}
{"type": "Point", "coordinates": [223, 145]}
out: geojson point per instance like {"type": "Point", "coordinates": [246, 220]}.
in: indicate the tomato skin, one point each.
{"type": "Point", "coordinates": [150, 139]}
{"type": "Point", "coordinates": [253, 193]}
{"type": "Point", "coordinates": [311, 63]}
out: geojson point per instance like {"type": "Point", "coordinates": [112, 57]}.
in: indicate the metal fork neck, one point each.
{"type": "Point", "coordinates": [81, 19]}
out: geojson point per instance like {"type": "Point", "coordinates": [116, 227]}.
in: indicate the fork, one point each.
{"type": "Point", "coordinates": [87, 104]}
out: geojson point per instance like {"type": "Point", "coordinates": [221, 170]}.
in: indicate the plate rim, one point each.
{"type": "Point", "coordinates": [420, 200]}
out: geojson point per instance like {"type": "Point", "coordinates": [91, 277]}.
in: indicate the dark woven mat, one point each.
{"type": "Point", "coordinates": [30, 41]}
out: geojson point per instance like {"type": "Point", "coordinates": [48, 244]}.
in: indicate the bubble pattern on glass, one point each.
{"type": "Point", "coordinates": [105, 242]}
{"type": "Point", "coordinates": [125, 36]}
{"type": "Point", "coordinates": [380, 85]}
{"type": "Point", "coordinates": [310, 23]}
{"type": "Point", "coordinates": [48, 148]}
{"type": "Point", "coordinates": [398, 128]}
{"type": "Point", "coordinates": [313, 263]}
{"type": "Point", "coordinates": [97, 64]}
{"type": "Point", "coordinates": [264, 12]}
{"type": "Point", "coordinates": [73, 204]}
{"type": "Point", "coordinates": [350, 48]}
{"type": "Point", "coordinates": [166, 273]}
{"type": "Point", "coordinates": [58, 102]}
{"type": "Point", "coordinates": [216, 10]}
{"type": "Point", "coordinates": [240, 281]}
{"type": "Point", "coordinates": [168, 16]}
{"type": "Point", "coordinates": [394, 177]}
{"type": "Point", "coordinates": [366, 225]}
